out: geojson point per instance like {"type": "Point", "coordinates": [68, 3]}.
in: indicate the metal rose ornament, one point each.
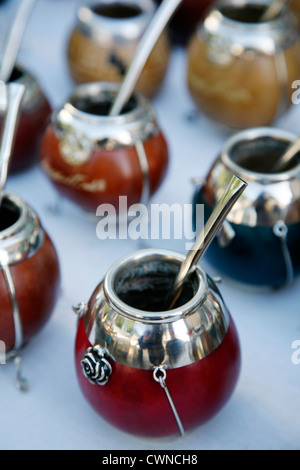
{"type": "Point", "coordinates": [241, 69]}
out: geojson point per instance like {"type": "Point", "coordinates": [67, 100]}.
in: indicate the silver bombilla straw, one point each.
{"type": "Point", "coordinates": [273, 9]}
{"type": "Point", "coordinates": [289, 156]}
{"type": "Point", "coordinates": [233, 192]}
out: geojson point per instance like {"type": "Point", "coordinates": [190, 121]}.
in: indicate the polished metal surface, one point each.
{"type": "Point", "coordinates": [21, 382]}
{"type": "Point", "coordinates": [231, 194]}
{"type": "Point", "coordinates": [143, 162]}
{"type": "Point", "coordinates": [230, 38]}
{"type": "Point", "coordinates": [160, 376]}
{"type": "Point", "coordinates": [269, 197]}
{"type": "Point", "coordinates": [273, 9]}
{"type": "Point", "coordinates": [15, 355]}
{"type": "Point", "coordinates": [23, 238]}
{"type": "Point", "coordinates": [109, 31]}
{"type": "Point", "coordinates": [18, 242]}
{"type": "Point", "coordinates": [82, 132]}
{"type": "Point", "coordinates": [144, 339]}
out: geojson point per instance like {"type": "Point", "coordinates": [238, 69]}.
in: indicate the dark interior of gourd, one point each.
{"type": "Point", "coordinates": [260, 155]}
{"type": "Point", "coordinates": [9, 213]}
{"type": "Point", "coordinates": [146, 285]}
{"type": "Point", "coordinates": [16, 74]}
{"type": "Point", "coordinates": [101, 104]}
{"type": "Point", "coordinates": [117, 10]}
{"type": "Point", "coordinates": [250, 13]}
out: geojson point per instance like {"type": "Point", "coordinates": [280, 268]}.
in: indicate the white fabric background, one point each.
{"type": "Point", "coordinates": [264, 412]}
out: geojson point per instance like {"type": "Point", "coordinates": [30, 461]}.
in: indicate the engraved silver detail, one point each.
{"type": "Point", "coordinates": [75, 147]}
{"type": "Point", "coordinates": [160, 376]}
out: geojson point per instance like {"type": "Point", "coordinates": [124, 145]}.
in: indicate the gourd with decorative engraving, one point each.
{"type": "Point", "coordinates": [93, 158]}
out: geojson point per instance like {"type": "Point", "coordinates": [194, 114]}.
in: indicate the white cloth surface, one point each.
{"type": "Point", "coordinates": [264, 412]}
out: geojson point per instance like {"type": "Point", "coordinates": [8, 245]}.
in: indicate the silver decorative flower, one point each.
{"type": "Point", "coordinates": [95, 367]}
